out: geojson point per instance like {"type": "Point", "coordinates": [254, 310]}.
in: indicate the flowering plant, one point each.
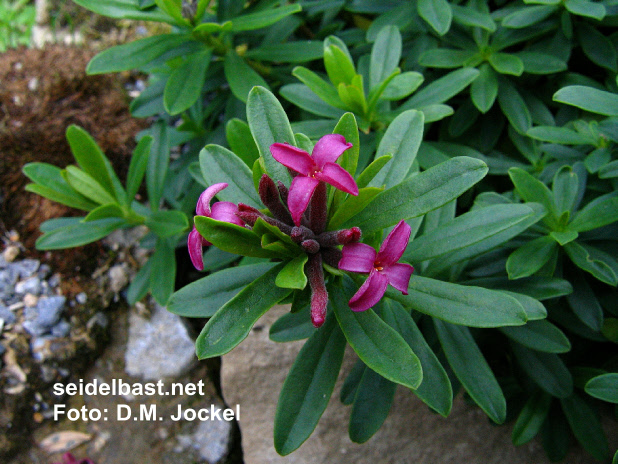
{"type": "Point", "coordinates": [303, 222]}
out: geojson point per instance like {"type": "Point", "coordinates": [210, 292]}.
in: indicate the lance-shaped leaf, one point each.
{"type": "Point", "coordinates": [292, 326]}
{"type": "Point", "coordinates": [232, 238]}
{"type": "Point", "coordinates": [205, 296]}
{"type": "Point", "coordinates": [240, 76]}
{"type": "Point", "coordinates": [308, 387]}
{"type": "Point", "coordinates": [219, 164]}
{"type": "Point", "coordinates": [539, 335]}
{"type": "Point", "coordinates": [528, 259]}
{"type": "Point", "coordinates": [250, 22]}
{"type": "Point", "coordinates": [79, 234]}
{"type": "Point", "coordinates": [604, 387]}
{"type": "Point", "coordinates": [546, 369]}
{"type": "Point", "coordinates": [472, 369]}
{"type": "Point", "coordinates": [598, 213]}
{"type": "Point", "coordinates": [591, 260]}
{"type": "Point", "coordinates": [137, 168]}
{"type": "Point", "coordinates": [589, 99]}
{"type": "Point", "coordinates": [232, 323]}
{"type": "Point", "coordinates": [379, 346]}
{"type": "Point", "coordinates": [425, 192]}
{"type": "Point", "coordinates": [459, 304]}
{"type": "Point", "coordinates": [586, 426]}
{"type": "Point", "coordinates": [531, 418]}
{"type": "Point", "coordinates": [163, 270]}
{"type": "Point", "coordinates": [186, 82]}
{"type": "Point", "coordinates": [352, 206]}
{"type": "Point", "coordinates": [269, 124]}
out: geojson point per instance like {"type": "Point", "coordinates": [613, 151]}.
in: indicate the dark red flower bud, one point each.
{"type": "Point", "coordinates": [310, 246]}
{"type": "Point", "coordinates": [269, 194]}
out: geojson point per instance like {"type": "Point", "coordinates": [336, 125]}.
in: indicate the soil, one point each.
{"type": "Point", "coordinates": [42, 92]}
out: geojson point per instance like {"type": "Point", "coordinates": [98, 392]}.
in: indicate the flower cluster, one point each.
{"type": "Point", "coordinates": [301, 212]}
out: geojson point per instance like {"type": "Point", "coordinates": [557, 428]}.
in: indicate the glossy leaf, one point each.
{"type": "Point", "coordinates": [588, 99]}
{"type": "Point", "coordinates": [529, 258]}
{"type": "Point", "coordinates": [546, 369]}
{"type": "Point", "coordinates": [372, 170]}
{"type": "Point", "coordinates": [185, 84]}
{"type": "Point", "coordinates": [292, 326]}
{"type": "Point", "coordinates": [460, 304]}
{"type": "Point", "coordinates": [78, 234]}
{"type": "Point", "coordinates": [437, 13]}
{"type": "Point", "coordinates": [137, 168]}
{"type": "Point", "coordinates": [441, 89]}
{"type": "Point", "coordinates": [293, 273]}
{"type": "Point", "coordinates": [240, 76]}
{"type": "Point", "coordinates": [604, 387]}
{"type": "Point", "coordinates": [531, 418]}
{"type": "Point", "coordinates": [586, 426]}
{"type": "Point", "coordinates": [163, 270]}
{"type": "Point", "coordinates": [540, 336]}
{"type": "Point", "coordinates": [385, 55]}
{"type": "Point", "coordinates": [471, 368]}
{"type": "Point", "coordinates": [167, 223]}
{"type": "Point", "coordinates": [252, 21]}
{"type": "Point", "coordinates": [484, 89]}
{"type": "Point", "coordinates": [232, 322]}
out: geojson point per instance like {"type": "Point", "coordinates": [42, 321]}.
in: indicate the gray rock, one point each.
{"type": "Point", "coordinates": [54, 281]}
{"type": "Point", "coordinates": [8, 279]}
{"type": "Point", "coordinates": [61, 329]}
{"type": "Point", "coordinates": [81, 298]}
{"type": "Point", "coordinates": [45, 315]}
{"type": "Point", "coordinates": [26, 267]}
{"type": "Point", "coordinates": [7, 315]}
{"type": "Point", "coordinates": [34, 329]}
{"type": "Point", "coordinates": [212, 440]}
{"type": "Point", "coordinates": [118, 277]}
{"type": "Point", "coordinates": [159, 347]}
{"type": "Point", "coordinates": [31, 285]}
{"type": "Point", "coordinates": [43, 271]}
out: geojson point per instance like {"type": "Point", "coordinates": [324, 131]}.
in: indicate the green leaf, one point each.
{"type": "Point", "coordinates": [240, 76]}
{"type": "Point", "coordinates": [137, 168]}
{"type": "Point", "coordinates": [140, 284]}
{"type": "Point", "coordinates": [427, 191]}
{"type": "Point", "coordinates": [167, 223]}
{"type": "Point", "coordinates": [402, 85]}
{"type": "Point", "coordinates": [233, 321]}
{"type": "Point", "coordinates": [349, 129]}
{"type": "Point", "coordinates": [219, 164]}
{"type": "Point", "coordinates": [292, 326]}
{"type": "Point", "coordinates": [241, 141]}
{"type": "Point", "coordinates": [185, 84]}
{"type": "Point", "coordinates": [441, 89]}
{"type": "Point", "coordinates": [372, 403]}
{"type": "Point", "coordinates": [534, 308]}
{"type": "Point", "coordinates": [546, 369]}
{"type": "Point", "coordinates": [586, 427]}
{"type": "Point", "coordinates": [531, 418]}
{"type": "Point", "coordinates": [308, 387]}
{"type": "Point", "coordinates": [87, 186]}
{"type": "Point", "coordinates": [298, 51]}
{"type": "Point", "coordinates": [205, 296]}
{"type": "Point", "coordinates": [158, 163]}
{"type": "Point", "coordinates": [541, 63]}
{"type": "Point", "coordinates": [598, 48]}
{"type": "Point", "coordinates": [435, 389]}
{"type": "Point", "coordinates": [350, 384]}
{"type": "Point", "coordinates": [269, 124]}
{"type": "Point", "coordinates": [529, 258]}
{"type": "Point", "coordinates": [339, 66]}
{"type": "Point", "coordinates": [514, 107]}
{"type": "Point", "coordinates": [231, 238]}
{"type": "Point", "coordinates": [378, 345]}
{"type": "Point", "coordinates": [540, 336]}
{"type": "Point", "coordinates": [604, 387]}
{"type": "Point", "coordinates": [588, 99]}
{"type": "Point", "coordinates": [124, 9]}
{"type": "Point", "coordinates": [436, 112]}
{"type": "Point", "coordinates": [78, 234]}
{"type": "Point", "coordinates": [163, 270]}
{"type": "Point", "coordinates": [136, 54]}
{"type": "Point", "coordinates": [174, 9]}
{"type": "Point", "coordinates": [445, 58]}
{"type": "Point", "coordinates": [253, 21]}
{"type": "Point", "coordinates": [596, 214]}
{"type": "Point", "coordinates": [484, 89]}
{"type": "Point", "coordinates": [460, 304]}
{"type": "Point", "coordinates": [303, 97]}
{"type": "Point", "coordinates": [609, 171]}
{"type": "Point", "coordinates": [401, 140]}
{"type": "Point", "coordinates": [52, 185]}
{"type": "Point", "coordinates": [565, 188]}
{"type": "Point", "coordinates": [585, 304]}
{"type": "Point", "coordinates": [560, 135]}
{"type": "Point", "coordinates": [471, 368]}
{"type": "Point", "coordinates": [583, 257]}
{"type": "Point", "coordinates": [506, 63]}
{"type": "Point", "coordinates": [293, 273]}
{"type": "Point", "coordinates": [372, 170]}
{"type": "Point", "coordinates": [469, 16]}
{"type": "Point", "coordinates": [385, 55]}
{"type": "Point", "coordinates": [585, 8]}
{"type": "Point", "coordinates": [319, 86]}
{"type": "Point", "coordinates": [468, 230]}
{"type": "Point", "coordinates": [92, 160]}
{"type": "Point", "coordinates": [541, 288]}
{"type": "Point", "coordinates": [598, 158]}
{"type": "Point", "coordinates": [531, 189]}
{"type": "Point", "coordinates": [111, 210]}
{"type": "Point", "coordinates": [352, 206]}
{"type": "Point", "coordinates": [528, 15]}
{"type": "Point", "coordinates": [437, 13]}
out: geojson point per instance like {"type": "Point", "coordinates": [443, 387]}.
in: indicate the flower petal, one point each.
{"type": "Point", "coordinates": [338, 177]}
{"type": "Point", "coordinates": [226, 211]}
{"type": "Point", "coordinates": [194, 243]}
{"type": "Point", "coordinates": [395, 244]}
{"type": "Point", "coordinates": [293, 158]}
{"type": "Point", "coordinates": [299, 197]}
{"type": "Point", "coordinates": [357, 257]}
{"type": "Point", "coordinates": [369, 293]}
{"type": "Point", "coordinates": [203, 204]}
{"type": "Point", "coordinates": [329, 148]}
{"type": "Point", "coordinates": [398, 275]}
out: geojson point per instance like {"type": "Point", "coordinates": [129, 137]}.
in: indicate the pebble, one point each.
{"type": "Point", "coordinates": [54, 280]}
{"type": "Point", "coordinates": [10, 253]}
{"type": "Point", "coordinates": [212, 438]}
{"type": "Point", "coordinates": [118, 277]}
{"type": "Point", "coordinates": [26, 267]}
{"type": "Point", "coordinates": [44, 316]}
{"type": "Point", "coordinates": [31, 300]}
{"type": "Point", "coordinates": [7, 315]}
{"type": "Point", "coordinates": [43, 271]}
{"type": "Point", "coordinates": [61, 329]}
{"type": "Point", "coordinates": [31, 285]}
{"type": "Point", "coordinates": [81, 298]}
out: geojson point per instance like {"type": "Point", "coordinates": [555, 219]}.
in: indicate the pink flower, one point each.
{"type": "Point", "coordinates": [319, 166]}
{"type": "Point", "coordinates": [221, 211]}
{"type": "Point", "coordinates": [382, 267]}
{"type": "Point", "coordinates": [68, 458]}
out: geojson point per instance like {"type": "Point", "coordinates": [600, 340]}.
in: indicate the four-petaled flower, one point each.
{"type": "Point", "coordinates": [221, 211]}
{"type": "Point", "coordinates": [319, 166]}
{"type": "Point", "coordinates": [382, 267]}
